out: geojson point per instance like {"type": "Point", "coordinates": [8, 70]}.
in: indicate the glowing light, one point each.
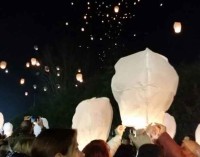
{"type": "Point", "coordinates": [82, 29]}
{"type": "Point", "coordinates": [45, 89]}
{"type": "Point", "coordinates": [22, 81]}
{"type": "Point", "coordinates": [27, 64]}
{"type": "Point", "coordinates": [66, 23]}
{"type": "Point", "coordinates": [116, 9]}
{"type": "Point", "coordinates": [33, 61]}
{"type": "Point", "coordinates": [26, 93]}
{"type": "Point", "coordinates": [36, 48]}
{"type": "Point", "coordinates": [46, 68]}
{"type": "Point", "coordinates": [37, 63]}
{"type": "Point", "coordinates": [177, 27]}
{"type": "Point", "coordinates": [57, 68]}
{"type": "Point", "coordinates": [79, 76]}
{"type": "Point", "coordinates": [34, 86]}
{"type": "Point", "coordinates": [3, 64]}
{"type": "Point", "coordinates": [6, 71]}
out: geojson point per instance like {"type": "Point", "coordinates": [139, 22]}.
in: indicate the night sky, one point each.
{"type": "Point", "coordinates": [93, 25]}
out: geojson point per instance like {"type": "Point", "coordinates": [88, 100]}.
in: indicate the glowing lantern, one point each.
{"type": "Point", "coordinates": [116, 9]}
{"type": "Point", "coordinates": [36, 47]}
{"type": "Point", "coordinates": [144, 86]}
{"type": "Point", "coordinates": [170, 124]}
{"type": "Point", "coordinates": [197, 134]}
{"type": "Point", "coordinates": [79, 76]}
{"type": "Point", "coordinates": [27, 64]}
{"type": "Point", "coordinates": [95, 128]}
{"type": "Point", "coordinates": [177, 27]}
{"type": "Point", "coordinates": [45, 89]}
{"type": "Point", "coordinates": [46, 68]}
{"type": "Point", "coordinates": [34, 86]}
{"type": "Point", "coordinates": [22, 81]}
{"type": "Point", "coordinates": [37, 63]}
{"type": "Point", "coordinates": [1, 121]}
{"type": "Point", "coordinates": [8, 129]}
{"type": "Point", "coordinates": [3, 64]}
{"type": "Point", "coordinates": [26, 93]}
{"type": "Point", "coordinates": [33, 61]}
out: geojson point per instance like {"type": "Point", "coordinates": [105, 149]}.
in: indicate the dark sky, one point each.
{"type": "Point", "coordinates": [139, 24]}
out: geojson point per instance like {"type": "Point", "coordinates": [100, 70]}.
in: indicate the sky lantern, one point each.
{"type": "Point", "coordinates": [197, 134]}
{"type": "Point", "coordinates": [37, 63]}
{"type": "Point", "coordinates": [46, 68]}
{"type": "Point", "coordinates": [79, 76]}
{"type": "Point", "coordinates": [3, 64]}
{"type": "Point", "coordinates": [95, 128]}
{"type": "Point", "coordinates": [33, 61]}
{"type": "Point", "coordinates": [27, 64]}
{"type": "Point", "coordinates": [1, 121]}
{"type": "Point", "coordinates": [26, 93]}
{"type": "Point", "coordinates": [22, 81]}
{"type": "Point", "coordinates": [177, 27]}
{"type": "Point", "coordinates": [170, 124]}
{"type": "Point", "coordinates": [116, 9]}
{"type": "Point", "coordinates": [144, 86]}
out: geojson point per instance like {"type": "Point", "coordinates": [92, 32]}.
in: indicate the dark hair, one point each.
{"type": "Point", "coordinates": [96, 148]}
{"type": "Point", "coordinates": [52, 141]}
{"type": "Point", "coordinates": [152, 150]}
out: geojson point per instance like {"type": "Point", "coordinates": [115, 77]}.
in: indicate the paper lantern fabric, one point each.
{"type": "Point", "coordinates": [1, 120]}
{"type": "Point", "coordinates": [144, 86]}
{"type": "Point", "coordinates": [8, 129]}
{"type": "Point", "coordinates": [45, 122]}
{"type": "Point", "coordinates": [92, 119]}
{"type": "Point", "coordinates": [197, 134]}
{"type": "Point", "coordinates": [170, 124]}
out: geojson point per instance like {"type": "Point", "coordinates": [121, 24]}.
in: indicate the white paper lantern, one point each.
{"type": "Point", "coordinates": [8, 129]}
{"type": "Point", "coordinates": [177, 27]}
{"type": "Point", "coordinates": [92, 119]}
{"type": "Point", "coordinates": [3, 64]}
{"type": "Point", "coordinates": [170, 124]}
{"type": "Point", "coordinates": [22, 81]}
{"type": "Point", "coordinates": [197, 134]}
{"type": "Point", "coordinates": [144, 86]}
{"type": "Point", "coordinates": [116, 9]}
{"type": "Point", "coordinates": [33, 61]}
{"type": "Point", "coordinates": [1, 120]}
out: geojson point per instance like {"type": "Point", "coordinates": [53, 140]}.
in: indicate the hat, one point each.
{"type": "Point", "coordinates": [193, 146]}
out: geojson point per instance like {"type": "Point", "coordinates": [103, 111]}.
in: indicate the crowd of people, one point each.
{"type": "Point", "coordinates": [153, 141]}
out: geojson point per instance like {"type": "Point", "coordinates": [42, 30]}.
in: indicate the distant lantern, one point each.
{"type": "Point", "coordinates": [177, 27]}
{"type": "Point", "coordinates": [79, 76]}
{"type": "Point", "coordinates": [46, 68]}
{"type": "Point", "coordinates": [3, 64]}
{"type": "Point", "coordinates": [45, 89]}
{"type": "Point", "coordinates": [116, 9]}
{"type": "Point", "coordinates": [34, 86]}
{"type": "Point", "coordinates": [36, 48]}
{"type": "Point", "coordinates": [57, 68]}
{"type": "Point", "coordinates": [58, 74]}
{"type": "Point", "coordinates": [26, 93]}
{"type": "Point", "coordinates": [22, 81]}
{"type": "Point", "coordinates": [6, 71]}
{"type": "Point", "coordinates": [27, 64]}
{"type": "Point", "coordinates": [33, 61]}
{"type": "Point", "coordinates": [37, 63]}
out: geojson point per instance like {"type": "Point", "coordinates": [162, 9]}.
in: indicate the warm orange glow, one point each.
{"type": "Point", "coordinates": [177, 27]}
{"type": "Point", "coordinates": [3, 64]}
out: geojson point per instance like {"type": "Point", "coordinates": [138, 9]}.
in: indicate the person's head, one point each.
{"type": "Point", "coordinates": [56, 143]}
{"type": "Point", "coordinates": [96, 148]}
{"type": "Point", "coordinates": [190, 147]}
{"type": "Point", "coordinates": [126, 150]}
{"type": "Point", "coordinates": [26, 127]}
{"type": "Point", "coordinates": [4, 147]}
{"type": "Point", "coordinates": [24, 145]}
{"type": "Point", "coordinates": [150, 149]}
